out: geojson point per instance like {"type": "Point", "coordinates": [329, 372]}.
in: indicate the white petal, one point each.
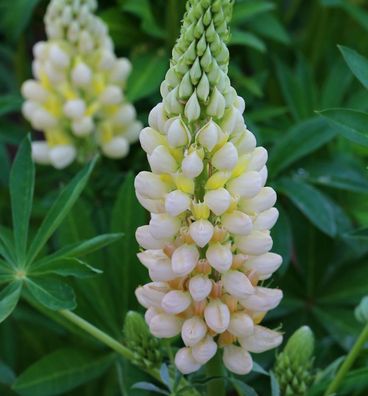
{"type": "Point", "coordinates": [146, 240]}
{"type": "Point", "coordinates": [237, 360]}
{"type": "Point", "coordinates": [225, 158]}
{"type": "Point", "coordinates": [200, 287]}
{"type": "Point", "coordinates": [247, 185]}
{"type": "Point", "coordinates": [261, 340]}
{"type": "Point", "coordinates": [177, 202]}
{"type": "Point", "coordinates": [193, 331]}
{"type": "Point", "coordinates": [184, 259]}
{"type": "Point", "coordinates": [161, 161]}
{"type": "Point", "coordinates": [237, 284]}
{"type": "Point", "coordinates": [217, 316]}
{"type": "Point", "coordinates": [218, 200]}
{"type": "Point", "coordinates": [163, 226]}
{"type": "Point", "coordinates": [241, 324]}
{"type": "Point", "coordinates": [62, 156]}
{"type": "Point", "coordinates": [185, 362]}
{"type": "Point", "coordinates": [192, 165]}
{"type": "Point", "coordinates": [266, 220]}
{"type": "Point", "coordinates": [165, 325]}
{"type": "Point", "coordinates": [201, 232]}
{"type": "Point", "coordinates": [176, 301]}
{"type": "Point", "coordinates": [258, 242]}
{"type": "Point", "coordinates": [263, 300]}
{"type": "Point", "coordinates": [205, 350]}
{"type": "Point", "coordinates": [220, 257]}
{"type": "Point", "coordinates": [264, 200]}
{"type": "Point", "coordinates": [264, 265]}
{"type": "Point", "coordinates": [150, 185]}
{"type": "Point", "coordinates": [237, 223]}
{"type": "Point", "coordinates": [117, 147]}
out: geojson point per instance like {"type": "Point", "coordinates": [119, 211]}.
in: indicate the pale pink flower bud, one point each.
{"type": "Point", "coordinates": [258, 242]}
{"type": "Point", "coordinates": [247, 185]}
{"type": "Point", "coordinates": [184, 259]}
{"type": "Point", "coordinates": [264, 299]}
{"type": "Point", "coordinates": [165, 325]}
{"type": "Point", "coordinates": [218, 200]}
{"type": "Point", "coordinates": [241, 324]}
{"type": "Point", "coordinates": [266, 220]}
{"type": "Point", "coordinates": [150, 185]}
{"type": "Point", "coordinates": [163, 226]}
{"type": "Point", "coordinates": [237, 284]}
{"type": "Point", "coordinates": [237, 223]}
{"type": "Point", "coordinates": [177, 202]}
{"type": "Point", "coordinates": [161, 161]}
{"type": "Point", "coordinates": [201, 232]}
{"type": "Point", "coordinates": [176, 301]}
{"type": "Point", "coordinates": [261, 340]}
{"type": "Point", "coordinates": [192, 165]}
{"type": "Point", "coordinates": [205, 350]}
{"type": "Point", "coordinates": [193, 331]}
{"type": "Point", "coordinates": [237, 360]}
{"type": "Point", "coordinates": [151, 313]}
{"type": "Point", "coordinates": [217, 316]}
{"type": "Point", "coordinates": [158, 264]}
{"type": "Point", "coordinates": [264, 265]}
{"type": "Point", "coordinates": [200, 287]}
{"type": "Point", "coordinates": [185, 362]}
{"type": "Point", "coordinates": [219, 256]}
{"type": "Point", "coordinates": [226, 158]}
{"type": "Point", "coordinates": [151, 294]}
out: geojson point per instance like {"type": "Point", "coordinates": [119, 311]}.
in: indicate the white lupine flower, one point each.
{"type": "Point", "coordinates": [217, 316]}
{"type": "Point", "coordinates": [176, 301]}
{"type": "Point", "coordinates": [41, 152]}
{"type": "Point", "coordinates": [151, 294]}
{"type": "Point", "coordinates": [204, 350]}
{"type": "Point", "coordinates": [237, 360]}
{"type": "Point", "coordinates": [193, 331]}
{"type": "Point", "coordinates": [211, 214]}
{"type": "Point", "coordinates": [78, 87]}
{"type": "Point", "coordinates": [185, 361]}
{"type": "Point", "coordinates": [165, 325]}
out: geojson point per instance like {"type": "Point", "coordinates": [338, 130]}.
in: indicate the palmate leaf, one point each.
{"type": "Point", "coordinates": [352, 124]}
{"type": "Point", "coordinates": [9, 298]}
{"type": "Point", "coordinates": [60, 210]}
{"type": "Point", "coordinates": [61, 371]}
{"type": "Point", "coordinates": [22, 177]}
{"type": "Point", "coordinates": [51, 292]}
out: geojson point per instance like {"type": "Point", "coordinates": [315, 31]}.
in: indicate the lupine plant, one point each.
{"type": "Point", "coordinates": [200, 215]}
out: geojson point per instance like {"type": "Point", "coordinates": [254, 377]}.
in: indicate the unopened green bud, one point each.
{"type": "Point", "coordinates": [192, 108]}
{"type": "Point", "coordinates": [300, 346]}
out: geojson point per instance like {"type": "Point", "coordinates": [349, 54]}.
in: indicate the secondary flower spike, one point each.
{"type": "Point", "coordinates": [207, 246]}
{"type": "Point", "coordinates": [76, 98]}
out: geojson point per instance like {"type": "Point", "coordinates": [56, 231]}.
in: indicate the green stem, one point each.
{"type": "Point", "coordinates": [105, 339]}
{"type": "Point", "coordinates": [214, 368]}
{"type": "Point", "coordinates": [348, 362]}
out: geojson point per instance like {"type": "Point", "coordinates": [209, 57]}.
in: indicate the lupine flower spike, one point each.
{"type": "Point", "coordinates": [76, 98]}
{"type": "Point", "coordinates": [207, 244]}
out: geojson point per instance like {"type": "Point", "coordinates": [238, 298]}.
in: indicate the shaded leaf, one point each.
{"type": "Point", "coordinates": [68, 266]}
{"type": "Point", "coordinates": [9, 103]}
{"type": "Point", "coordinates": [248, 39]}
{"type": "Point", "coordinates": [9, 298]}
{"type": "Point", "coordinates": [249, 9]}
{"type": "Point", "coordinates": [149, 387]}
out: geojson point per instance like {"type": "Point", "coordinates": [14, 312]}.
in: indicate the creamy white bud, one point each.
{"type": "Point", "coordinates": [241, 324]}
{"type": "Point", "coordinates": [157, 118]}
{"type": "Point", "coordinates": [237, 360]}
{"type": "Point", "coordinates": [245, 142]}
{"type": "Point", "coordinates": [192, 108]}
{"type": "Point", "coordinates": [247, 185]}
{"type": "Point", "coordinates": [185, 362]}
{"type": "Point", "coordinates": [62, 156]}
{"type": "Point", "coordinates": [240, 104]}
{"type": "Point", "coordinates": [177, 202]}
{"type": "Point", "coordinates": [150, 139]}
{"type": "Point", "coordinates": [34, 91]}
{"type": "Point", "coordinates": [83, 126]}
{"type": "Point", "coordinates": [176, 301]}
{"type": "Point", "coordinates": [165, 325]}
{"type": "Point", "coordinates": [193, 331]}
{"type": "Point", "coordinates": [151, 294]}
{"type": "Point", "coordinates": [146, 240]}
{"type": "Point", "coordinates": [41, 153]}
{"type": "Point", "coordinates": [219, 256]}
{"type": "Point", "coordinates": [264, 200]}
{"type": "Point", "coordinates": [29, 108]}
{"type": "Point", "coordinates": [55, 75]}
{"type": "Point", "coordinates": [184, 259]}
{"type": "Point", "coordinates": [163, 226]}
{"type": "Point", "coordinates": [258, 159]}
{"type": "Point", "coordinates": [237, 223]}
{"type": "Point", "coordinates": [208, 135]}
{"type": "Point", "coordinates": [40, 50]}
{"type": "Point", "coordinates": [121, 70]}
{"type": "Point", "coordinates": [158, 264]}
{"type": "Point", "coordinates": [117, 147]}
{"type": "Point", "coordinates": [258, 242]}
{"type": "Point", "coordinates": [218, 200]}
{"type": "Point", "coordinates": [58, 57]}
{"type": "Point", "coordinates": [264, 265]}
{"type": "Point", "coordinates": [205, 350]}
{"type": "Point", "coordinates": [226, 158]}
{"type": "Point", "coordinates": [125, 115]}
{"type": "Point", "coordinates": [161, 161]}
{"type": "Point", "coordinates": [237, 284]}
{"type": "Point", "coordinates": [85, 42]}
{"type": "Point", "coordinates": [266, 220]}
{"type": "Point", "coordinates": [217, 316]}
{"type": "Point", "coordinates": [81, 74]}
{"type": "Point", "coordinates": [178, 134]}
{"type": "Point", "coordinates": [264, 299]}
{"type": "Point", "coordinates": [112, 95]}
{"type": "Point", "coordinates": [201, 232]}
{"type": "Point", "coordinates": [216, 106]}
{"type": "Point", "coordinates": [107, 60]}
{"type": "Point", "coordinates": [261, 340]}
{"type": "Point", "coordinates": [231, 120]}
{"type": "Point", "coordinates": [200, 287]}
{"type": "Point", "coordinates": [264, 174]}
{"type": "Point", "coordinates": [152, 205]}
{"type": "Point", "coordinates": [75, 108]}
{"type": "Point", "coordinates": [37, 68]}
{"type": "Point", "coordinates": [150, 185]}
{"type": "Point", "coordinates": [192, 165]}
{"type": "Point", "coordinates": [43, 120]}
{"type": "Point", "coordinates": [151, 313]}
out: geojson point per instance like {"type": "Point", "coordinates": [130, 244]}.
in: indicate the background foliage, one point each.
{"type": "Point", "coordinates": [286, 63]}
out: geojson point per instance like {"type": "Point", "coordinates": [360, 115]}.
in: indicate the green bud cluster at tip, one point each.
{"type": "Point", "coordinates": [294, 364]}
{"type": "Point", "coordinates": [197, 84]}
{"type": "Point", "coordinates": [146, 348]}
